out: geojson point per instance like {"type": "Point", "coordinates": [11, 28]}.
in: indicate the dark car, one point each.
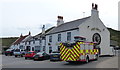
{"type": "Point", "coordinates": [41, 56]}
{"type": "Point", "coordinates": [55, 56]}
{"type": "Point", "coordinates": [30, 54]}
{"type": "Point", "coordinates": [9, 52]}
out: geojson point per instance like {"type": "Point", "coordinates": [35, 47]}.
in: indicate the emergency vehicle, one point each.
{"type": "Point", "coordinates": [80, 50]}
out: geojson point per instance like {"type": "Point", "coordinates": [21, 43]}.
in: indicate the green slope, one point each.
{"type": "Point", "coordinates": [8, 41]}
{"type": "Point", "coordinates": [114, 35]}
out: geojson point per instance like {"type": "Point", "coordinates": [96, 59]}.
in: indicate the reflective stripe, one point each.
{"type": "Point", "coordinates": [81, 42]}
{"type": "Point", "coordinates": [87, 51]}
{"type": "Point", "coordinates": [74, 53]}
{"type": "Point", "coordinates": [91, 43]}
{"type": "Point", "coordinates": [60, 44]}
{"type": "Point", "coordinates": [81, 51]}
{"type": "Point", "coordinates": [91, 50]}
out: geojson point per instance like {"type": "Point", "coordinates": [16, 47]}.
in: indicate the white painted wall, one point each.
{"type": "Point", "coordinates": [55, 42]}
{"type": "Point", "coordinates": [95, 22]}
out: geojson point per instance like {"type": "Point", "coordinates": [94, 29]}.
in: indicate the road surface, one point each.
{"type": "Point", "coordinates": [102, 62]}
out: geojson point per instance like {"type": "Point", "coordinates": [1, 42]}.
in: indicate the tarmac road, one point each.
{"type": "Point", "coordinates": [102, 62]}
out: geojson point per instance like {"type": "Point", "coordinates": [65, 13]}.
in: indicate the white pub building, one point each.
{"type": "Point", "coordinates": [89, 28]}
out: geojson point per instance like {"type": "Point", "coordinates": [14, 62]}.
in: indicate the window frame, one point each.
{"type": "Point", "coordinates": [59, 37]}
{"type": "Point", "coordinates": [68, 36]}
{"type": "Point", "coordinates": [50, 38]}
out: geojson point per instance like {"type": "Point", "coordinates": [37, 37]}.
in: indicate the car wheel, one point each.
{"type": "Point", "coordinates": [5, 54]}
{"type": "Point", "coordinates": [25, 57]}
{"type": "Point", "coordinates": [21, 55]}
{"type": "Point", "coordinates": [15, 55]}
{"type": "Point", "coordinates": [34, 59]}
{"type": "Point", "coordinates": [71, 62]}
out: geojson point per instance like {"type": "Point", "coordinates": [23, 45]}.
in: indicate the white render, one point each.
{"type": "Point", "coordinates": [55, 43]}
{"type": "Point", "coordinates": [85, 31]}
{"type": "Point", "coordinates": [95, 22]}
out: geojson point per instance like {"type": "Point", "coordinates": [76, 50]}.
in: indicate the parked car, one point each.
{"type": "Point", "coordinates": [19, 52]}
{"type": "Point", "coordinates": [30, 54]}
{"type": "Point", "coordinates": [55, 56]}
{"type": "Point", "coordinates": [9, 52]}
{"type": "Point", "coordinates": [41, 56]}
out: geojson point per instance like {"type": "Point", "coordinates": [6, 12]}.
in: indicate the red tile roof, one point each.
{"type": "Point", "coordinates": [20, 39]}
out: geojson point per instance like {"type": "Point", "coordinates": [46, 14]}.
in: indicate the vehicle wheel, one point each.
{"type": "Point", "coordinates": [71, 62]}
{"type": "Point", "coordinates": [15, 55]}
{"type": "Point", "coordinates": [5, 54]}
{"type": "Point", "coordinates": [21, 55]}
{"type": "Point", "coordinates": [34, 59]}
{"type": "Point", "coordinates": [25, 57]}
{"type": "Point", "coordinates": [87, 59]}
{"type": "Point", "coordinates": [52, 60]}
{"type": "Point", "coordinates": [96, 57]}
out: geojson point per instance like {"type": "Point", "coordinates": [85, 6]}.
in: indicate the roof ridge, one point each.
{"type": "Point", "coordinates": [75, 20]}
{"type": "Point", "coordinates": [69, 25]}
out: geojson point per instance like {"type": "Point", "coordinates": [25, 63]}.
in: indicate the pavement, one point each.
{"type": "Point", "coordinates": [102, 62]}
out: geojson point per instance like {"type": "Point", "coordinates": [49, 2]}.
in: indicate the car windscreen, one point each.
{"type": "Point", "coordinates": [40, 52]}
{"type": "Point", "coordinates": [69, 45]}
{"type": "Point", "coordinates": [9, 50]}
{"type": "Point", "coordinates": [17, 50]}
{"type": "Point", "coordinates": [29, 52]}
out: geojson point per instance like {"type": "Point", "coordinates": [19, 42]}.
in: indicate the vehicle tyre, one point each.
{"type": "Point", "coordinates": [26, 58]}
{"type": "Point", "coordinates": [34, 59]}
{"type": "Point", "coordinates": [51, 60]}
{"type": "Point", "coordinates": [5, 54]}
{"type": "Point", "coordinates": [87, 59]}
{"type": "Point", "coordinates": [21, 55]}
{"type": "Point", "coordinates": [96, 57]}
{"type": "Point", "coordinates": [71, 62]}
{"type": "Point", "coordinates": [15, 55]}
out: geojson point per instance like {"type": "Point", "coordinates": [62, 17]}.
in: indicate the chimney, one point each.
{"type": "Point", "coordinates": [43, 29]}
{"type": "Point", "coordinates": [94, 11]}
{"type": "Point", "coordinates": [29, 33]}
{"type": "Point", "coordinates": [60, 20]}
{"type": "Point", "coordinates": [21, 35]}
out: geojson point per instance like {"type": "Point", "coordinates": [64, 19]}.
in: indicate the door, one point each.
{"type": "Point", "coordinates": [27, 48]}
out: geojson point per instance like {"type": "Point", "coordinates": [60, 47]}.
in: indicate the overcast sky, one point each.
{"type": "Point", "coordinates": [22, 16]}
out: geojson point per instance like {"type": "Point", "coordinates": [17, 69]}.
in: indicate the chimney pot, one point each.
{"type": "Point", "coordinates": [43, 29]}
{"type": "Point", "coordinates": [60, 20]}
{"type": "Point", "coordinates": [60, 17]}
{"type": "Point", "coordinates": [94, 11]}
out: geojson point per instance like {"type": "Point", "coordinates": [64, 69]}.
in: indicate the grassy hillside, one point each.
{"type": "Point", "coordinates": [114, 35]}
{"type": "Point", "coordinates": [8, 41]}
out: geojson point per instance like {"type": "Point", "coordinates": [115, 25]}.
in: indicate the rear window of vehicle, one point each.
{"type": "Point", "coordinates": [40, 52]}
{"type": "Point", "coordinates": [29, 52]}
{"type": "Point", "coordinates": [17, 50]}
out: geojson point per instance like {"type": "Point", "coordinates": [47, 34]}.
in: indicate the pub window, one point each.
{"type": "Point", "coordinates": [33, 41]}
{"type": "Point", "coordinates": [29, 42]}
{"type": "Point", "coordinates": [50, 38]}
{"type": "Point", "coordinates": [68, 36]}
{"type": "Point", "coordinates": [59, 37]}
{"type": "Point", "coordinates": [58, 48]}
